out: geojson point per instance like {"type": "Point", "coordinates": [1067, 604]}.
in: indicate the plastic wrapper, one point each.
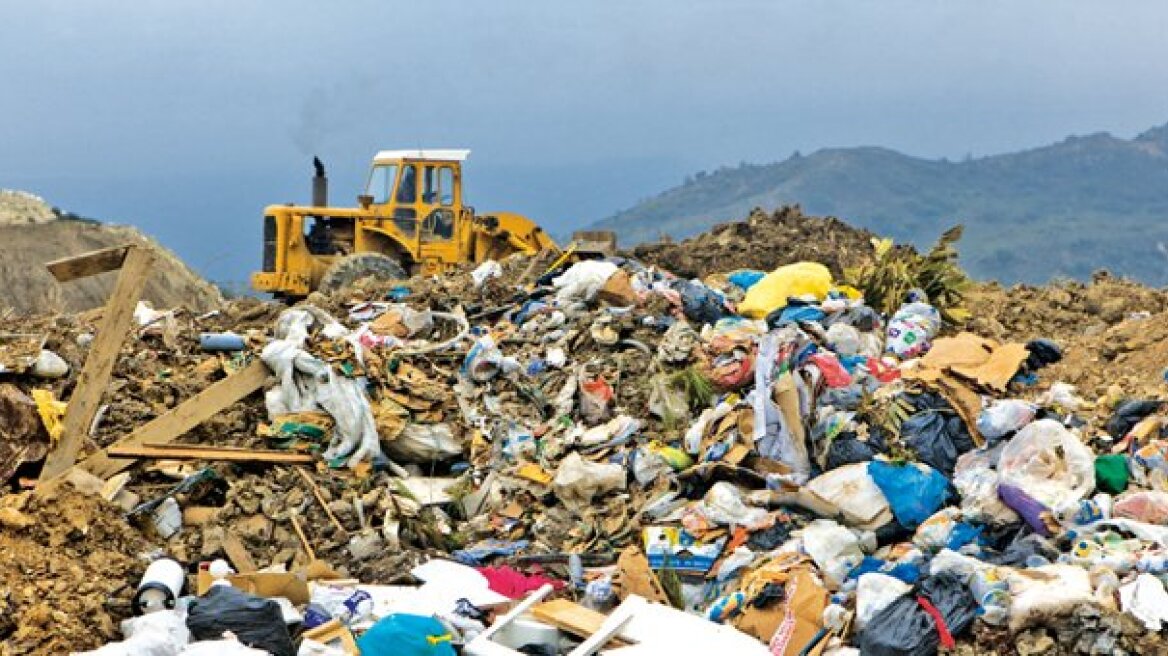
{"type": "Point", "coordinates": [162, 633]}
{"type": "Point", "coordinates": [1048, 463]}
{"type": "Point", "coordinates": [254, 621]}
{"type": "Point", "coordinates": [723, 504]}
{"type": "Point", "coordinates": [1128, 414]}
{"type": "Point", "coordinates": [1147, 506]}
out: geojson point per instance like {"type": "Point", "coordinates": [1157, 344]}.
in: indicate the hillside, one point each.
{"type": "Point", "coordinates": [1062, 210]}
{"type": "Point", "coordinates": [32, 233]}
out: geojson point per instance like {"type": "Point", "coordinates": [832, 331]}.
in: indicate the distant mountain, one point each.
{"type": "Point", "coordinates": [1063, 210]}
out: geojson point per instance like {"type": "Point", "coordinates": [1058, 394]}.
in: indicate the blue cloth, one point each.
{"type": "Point", "coordinates": [914, 492]}
{"type": "Point", "coordinates": [907, 572]}
{"type": "Point", "coordinates": [477, 553]}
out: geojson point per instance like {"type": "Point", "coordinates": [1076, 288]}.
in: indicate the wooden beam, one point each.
{"type": "Point", "coordinates": [195, 452]}
{"type": "Point", "coordinates": [89, 264]}
{"type": "Point", "coordinates": [237, 553]}
{"type": "Point", "coordinates": [99, 363]}
{"type": "Point", "coordinates": [184, 417]}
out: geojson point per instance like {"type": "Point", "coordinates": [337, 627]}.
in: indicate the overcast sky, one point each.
{"type": "Point", "coordinates": [186, 117]}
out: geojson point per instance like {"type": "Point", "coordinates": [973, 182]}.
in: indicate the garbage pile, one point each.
{"type": "Point", "coordinates": [551, 457]}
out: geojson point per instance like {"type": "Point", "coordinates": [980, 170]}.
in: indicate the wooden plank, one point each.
{"type": "Point", "coordinates": [184, 417]}
{"type": "Point", "coordinates": [320, 499]}
{"type": "Point", "coordinates": [196, 452]}
{"type": "Point", "coordinates": [99, 363]}
{"type": "Point", "coordinates": [570, 616]}
{"type": "Point", "coordinates": [237, 553]}
{"type": "Point", "coordinates": [89, 264]}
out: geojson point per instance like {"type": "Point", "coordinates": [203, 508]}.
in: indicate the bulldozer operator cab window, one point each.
{"type": "Point", "coordinates": [380, 182]}
{"type": "Point", "coordinates": [407, 191]}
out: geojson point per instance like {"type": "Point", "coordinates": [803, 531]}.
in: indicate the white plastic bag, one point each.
{"type": "Point", "coordinates": [578, 481]}
{"type": "Point", "coordinates": [582, 280]}
{"type": "Point", "coordinates": [835, 549]}
{"type": "Point", "coordinates": [1004, 416]}
{"type": "Point", "coordinates": [486, 271]}
{"type": "Point", "coordinates": [724, 504]}
{"type": "Point", "coordinates": [1049, 463]}
{"type": "Point", "coordinates": [422, 443]}
{"type": "Point", "coordinates": [162, 633]}
{"type": "Point", "coordinates": [874, 591]}
{"type": "Point", "coordinates": [1146, 600]}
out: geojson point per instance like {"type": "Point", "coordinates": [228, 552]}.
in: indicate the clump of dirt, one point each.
{"type": "Point", "coordinates": [68, 562]}
{"type": "Point", "coordinates": [1062, 310]}
{"type": "Point", "coordinates": [1112, 330]}
{"type": "Point", "coordinates": [764, 241]}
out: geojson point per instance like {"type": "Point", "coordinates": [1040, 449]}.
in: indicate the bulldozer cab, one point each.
{"type": "Point", "coordinates": [421, 193]}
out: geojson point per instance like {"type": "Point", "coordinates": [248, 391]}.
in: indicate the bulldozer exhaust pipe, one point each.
{"type": "Point", "coordinates": [319, 184]}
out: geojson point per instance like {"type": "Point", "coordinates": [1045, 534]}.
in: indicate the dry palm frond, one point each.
{"type": "Point", "coordinates": [894, 272]}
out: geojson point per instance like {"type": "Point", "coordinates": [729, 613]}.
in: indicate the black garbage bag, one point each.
{"type": "Point", "coordinates": [849, 450]}
{"type": "Point", "coordinates": [1128, 414]}
{"type": "Point", "coordinates": [939, 438]}
{"type": "Point", "coordinates": [1043, 352]}
{"type": "Point", "coordinates": [256, 621]}
{"type": "Point", "coordinates": [861, 317]}
{"type": "Point", "coordinates": [699, 303]}
{"type": "Point", "coordinates": [1024, 545]}
{"type": "Point", "coordinates": [906, 628]}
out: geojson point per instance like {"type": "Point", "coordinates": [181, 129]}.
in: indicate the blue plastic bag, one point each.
{"type": "Point", "coordinates": [401, 634]}
{"type": "Point", "coordinates": [914, 491]}
{"type": "Point", "coordinates": [745, 278]}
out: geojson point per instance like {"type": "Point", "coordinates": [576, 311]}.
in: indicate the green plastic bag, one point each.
{"type": "Point", "coordinates": [1111, 473]}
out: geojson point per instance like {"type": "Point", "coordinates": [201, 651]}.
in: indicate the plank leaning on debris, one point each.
{"type": "Point", "coordinates": [194, 452]}
{"type": "Point", "coordinates": [99, 363]}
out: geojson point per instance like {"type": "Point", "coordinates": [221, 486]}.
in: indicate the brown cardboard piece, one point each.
{"type": "Point", "coordinates": [618, 290]}
{"type": "Point", "coordinates": [636, 577]}
{"type": "Point", "coordinates": [788, 626]}
{"type": "Point", "coordinates": [261, 584]}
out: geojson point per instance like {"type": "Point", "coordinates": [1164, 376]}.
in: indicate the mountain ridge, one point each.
{"type": "Point", "coordinates": [1085, 202]}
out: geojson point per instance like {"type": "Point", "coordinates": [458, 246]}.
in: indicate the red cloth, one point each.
{"type": "Point", "coordinates": [834, 373]}
{"type": "Point", "coordinates": [512, 583]}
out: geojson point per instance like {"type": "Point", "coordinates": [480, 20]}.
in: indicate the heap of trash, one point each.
{"type": "Point", "coordinates": [547, 457]}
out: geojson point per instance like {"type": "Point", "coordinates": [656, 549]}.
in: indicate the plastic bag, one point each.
{"type": "Point", "coordinates": [835, 549]}
{"type": "Point", "coordinates": [582, 280]}
{"type": "Point", "coordinates": [596, 397]}
{"type": "Point", "coordinates": [745, 278]}
{"type": "Point", "coordinates": [485, 271]}
{"type": "Point", "coordinates": [1048, 463]}
{"type": "Point", "coordinates": [1146, 600]}
{"type": "Point", "coordinates": [978, 487]}
{"type": "Point", "coordinates": [422, 443]}
{"type": "Point", "coordinates": [912, 328]}
{"type": "Point", "coordinates": [227, 647]}
{"type": "Point", "coordinates": [1148, 506]}
{"type": "Point", "coordinates": [874, 592]}
{"type": "Point", "coordinates": [162, 633]}
{"type": "Point", "coordinates": [844, 339]}
{"type": "Point", "coordinates": [905, 628]}
{"type": "Point", "coordinates": [578, 481]}
{"type": "Point", "coordinates": [699, 303]}
{"type": "Point", "coordinates": [255, 621]}
{"type": "Point", "coordinates": [772, 291]}
{"type": "Point", "coordinates": [1046, 591]}
{"type": "Point", "coordinates": [849, 450]}
{"type": "Point", "coordinates": [914, 491]}
{"type": "Point", "coordinates": [723, 504]}
{"type": "Point", "coordinates": [402, 634]}
{"type": "Point", "coordinates": [939, 438]}
{"type": "Point", "coordinates": [1128, 414]}
{"type": "Point", "coordinates": [668, 401]}
{"type": "Point", "coordinates": [1003, 417]}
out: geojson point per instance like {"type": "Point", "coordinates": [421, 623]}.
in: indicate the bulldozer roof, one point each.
{"type": "Point", "coordinates": [439, 154]}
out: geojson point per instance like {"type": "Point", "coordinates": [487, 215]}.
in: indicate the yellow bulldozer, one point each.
{"type": "Point", "coordinates": [411, 219]}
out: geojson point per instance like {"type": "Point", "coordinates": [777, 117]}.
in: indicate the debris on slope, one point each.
{"type": "Point", "coordinates": [763, 241]}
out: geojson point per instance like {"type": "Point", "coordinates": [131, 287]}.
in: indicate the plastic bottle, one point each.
{"type": "Point", "coordinates": [992, 592]}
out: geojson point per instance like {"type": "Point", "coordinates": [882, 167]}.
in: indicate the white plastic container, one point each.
{"type": "Point", "coordinates": [160, 586]}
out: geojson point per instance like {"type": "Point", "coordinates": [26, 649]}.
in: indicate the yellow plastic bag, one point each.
{"type": "Point", "coordinates": [771, 293]}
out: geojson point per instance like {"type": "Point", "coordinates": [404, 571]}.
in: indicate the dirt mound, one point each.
{"type": "Point", "coordinates": [29, 237]}
{"type": "Point", "coordinates": [763, 241]}
{"type": "Point", "coordinates": [67, 564]}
